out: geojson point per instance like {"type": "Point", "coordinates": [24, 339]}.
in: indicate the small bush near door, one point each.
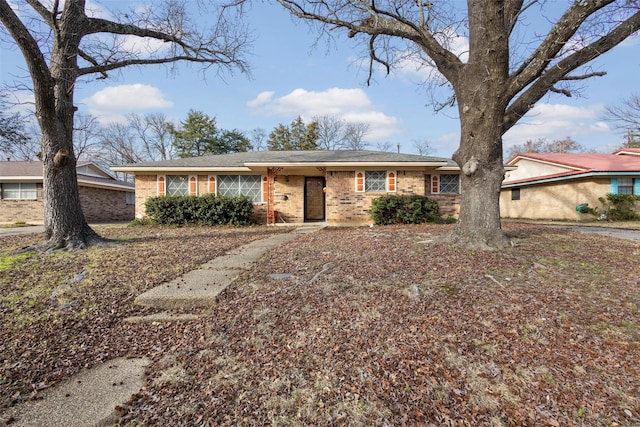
{"type": "Point", "coordinates": [200, 210]}
{"type": "Point", "coordinates": [395, 209]}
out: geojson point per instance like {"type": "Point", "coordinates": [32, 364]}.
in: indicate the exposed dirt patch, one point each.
{"type": "Point", "coordinates": [374, 326]}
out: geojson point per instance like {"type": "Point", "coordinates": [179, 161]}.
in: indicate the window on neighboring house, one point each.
{"type": "Point", "coordinates": [237, 185]}
{"type": "Point", "coordinates": [177, 185]}
{"type": "Point", "coordinates": [625, 185]}
{"type": "Point", "coordinates": [376, 181]}
{"type": "Point", "coordinates": [19, 191]}
{"type": "Point", "coordinates": [515, 194]}
{"type": "Point", "coordinates": [130, 198]}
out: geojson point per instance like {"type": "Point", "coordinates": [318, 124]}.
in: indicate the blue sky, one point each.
{"type": "Point", "coordinates": [291, 77]}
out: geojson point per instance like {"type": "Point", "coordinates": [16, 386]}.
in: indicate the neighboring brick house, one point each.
{"type": "Point", "coordinates": [552, 185]}
{"type": "Point", "coordinates": [102, 197]}
{"type": "Point", "coordinates": [335, 187]}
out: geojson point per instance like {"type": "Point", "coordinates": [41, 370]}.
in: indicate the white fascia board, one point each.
{"type": "Point", "coordinates": [356, 165]}
{"type": "Point", "coordinates": [546, 162]}
{"type": "Point", "coordinates": [105, 185]}
{"type": "Point", "coordinates": [14, 178]}
{"type": "Point", "coordinates": [175, 169]}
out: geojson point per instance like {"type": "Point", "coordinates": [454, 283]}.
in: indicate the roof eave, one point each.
{"type": "Point", "coordinates": [179, 169]}
{"type": "Point", "coordinates": [86, 183]}
{"type": "Point", "coordinates": [543, 180]}
{"type": "Point", "coordinates": [343, 164]}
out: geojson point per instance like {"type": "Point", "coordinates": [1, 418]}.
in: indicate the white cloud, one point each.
{"type": "Point", "coordinates": [141, 46]}
{"type": "Point", "coordinates": [115, 102]}
{"type": "Point", "coordinates": [353, 105]}
{"type": "Point", "coordinates": [416, 64]}
{"type": "Point", "coordinates": [262, 99]}
{"type": "Point", "coordinates": [557, 121]}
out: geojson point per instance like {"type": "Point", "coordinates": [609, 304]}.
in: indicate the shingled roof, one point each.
{"type": "Point", "coordinates": [32, 171]}
{"type": "Point", "coordinates": [578, 165]}
{"type": "Point", "coordinates": [247, 160]}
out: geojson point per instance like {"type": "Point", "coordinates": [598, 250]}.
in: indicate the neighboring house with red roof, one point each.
{"type": "Point", "coordinates": [552, 185]}
{"type": "Point", "coordinates": [103, 198]}
{"type": "Point", "coordinates": [335, 187]}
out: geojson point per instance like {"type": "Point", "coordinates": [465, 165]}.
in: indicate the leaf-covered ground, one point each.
{"type": "Point", "coordinates": [375, 326]}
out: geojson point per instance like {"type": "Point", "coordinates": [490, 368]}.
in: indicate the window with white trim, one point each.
{"type": "Point", "coordinates": [449, 184]}
{"type": "Point", "coordinates": [19, 191]}
{"type": "Point", "coordinates": [376, 181]}
{"type": "Point", "coordinates": [240, 185]}
{"type": "Point", "coordinates": [177, 185]}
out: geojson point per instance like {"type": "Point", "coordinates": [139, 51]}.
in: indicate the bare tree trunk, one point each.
{"type": "Point", "coordinates": [480, 91]}
{"type": "Point", "coordinates": [480, 160]}
{"type": "Point", "coordinates": [65, 225]}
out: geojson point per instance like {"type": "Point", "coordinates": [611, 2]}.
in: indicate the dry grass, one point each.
{"type": "Point", "coordinates": [380, 326]}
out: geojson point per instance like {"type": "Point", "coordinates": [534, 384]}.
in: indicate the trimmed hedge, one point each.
{"type": "Point", "coordinates": [208, 209]}
{"type": "Point", "coordinates": [413, 209]}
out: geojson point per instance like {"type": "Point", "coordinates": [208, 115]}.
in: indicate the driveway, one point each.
{"type": "Point", "coordinates": [11, 231]}
{"type": "Point", "coordinates": [618, 233]}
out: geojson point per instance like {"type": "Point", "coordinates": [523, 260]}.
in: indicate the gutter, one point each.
{"type": "Point", "coordinates": [567, 178]}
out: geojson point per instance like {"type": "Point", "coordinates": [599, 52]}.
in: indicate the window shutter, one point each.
{"type": "Point", "coordinates": [636, 186]}
{"type": "Point", "coordinates": [614, 186]}
{"type": "Point", "coordinates": [435, 184]}
{"type": "Point", "coordinates": [193, 186]}
{"type": "Point", "coordinates": [212, 184]}
{"type": "Point", "coordinates": [391, 181]}
{"type": "Point", "coordinates": [161, 185]}
{"type": "Point", "coordinates": [359, 182]}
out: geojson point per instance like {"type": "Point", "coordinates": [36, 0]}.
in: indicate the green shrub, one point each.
{"type": "Point", "coordinates": [395, 209]}
{"type": "Point", "coordinates": [200, 210]}
{"type": "Point", "coordinates": [619, 207]}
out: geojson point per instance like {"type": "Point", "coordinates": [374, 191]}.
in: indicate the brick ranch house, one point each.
{"type": "Point", "coordinates": [552, 185]}
{"type": "Point", "coordinates": [335, 187]}
{"type": "Point", "coordinates": [102, 197]}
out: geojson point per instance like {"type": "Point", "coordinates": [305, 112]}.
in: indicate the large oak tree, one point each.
{"type": "Point", "coordinates": [508, 69]}
{"type": "Point", "coordinates": [62, 41]}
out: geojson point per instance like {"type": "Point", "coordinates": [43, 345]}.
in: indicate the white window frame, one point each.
{"type": "Point", "coordinates": [29, 193]}
{"type": "Point", "coordinates": [256, 200]}
{"type": "Point", "coordinates": [386, 181]}
{"type": "Point", "coordinates": [439, 179]}
{"type": "Point", "coordinates": [187, 187]}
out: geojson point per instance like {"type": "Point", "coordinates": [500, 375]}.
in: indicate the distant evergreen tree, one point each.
{"type": "Point", "coordinates": [296, 136]}
{"type": "Point", "coordinates": [200, 136]}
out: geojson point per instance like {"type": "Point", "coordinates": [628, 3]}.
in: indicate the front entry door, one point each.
{"type": "Point", "coordinates": [314, 198]}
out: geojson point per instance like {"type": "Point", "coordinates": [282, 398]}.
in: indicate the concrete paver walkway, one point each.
{"type": "Point", "coordinates": [87, 399]}
{"type": "Point", "coordinates": [201, 287]}
{"type": "Point", "coordinates": [90, 398]}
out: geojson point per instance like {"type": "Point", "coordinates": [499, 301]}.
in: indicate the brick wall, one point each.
{"type": "Point", "coordinates": [292, 209]}
{"type": "Point", "coordinates": [449, 204]}
{"type": "Point", "coordinates": [98, 205]}
{"type": "Point", "coordinates": [343, 204]}
{"type": "Point", "coordinates": [30, 211]}
{"type": "Point", "coordinates": [101, 205]}
{"type": "Point", "coordinates": [146, 186]}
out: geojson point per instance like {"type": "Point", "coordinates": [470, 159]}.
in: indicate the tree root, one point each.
{"type": "Point", "coordinates": [69, 243]}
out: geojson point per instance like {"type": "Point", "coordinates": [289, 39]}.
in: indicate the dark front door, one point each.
{"type": "Point", "coordinates": [314, 198]}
